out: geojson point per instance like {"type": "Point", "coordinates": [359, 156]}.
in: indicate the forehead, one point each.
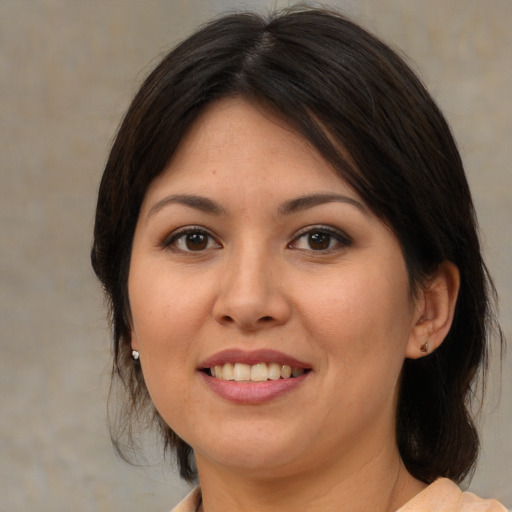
{"type": "Point", "coordinates": [237, 144]}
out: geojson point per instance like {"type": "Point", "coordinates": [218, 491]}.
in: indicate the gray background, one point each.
{"type": "Point", "coordinates": [68, 70]}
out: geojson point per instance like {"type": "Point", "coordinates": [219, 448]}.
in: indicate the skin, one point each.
{"type": "Point", "coordinates": [255, 281]}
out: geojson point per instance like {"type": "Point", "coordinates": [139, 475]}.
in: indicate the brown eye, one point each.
{"type": "Point", "coordinates": [191, 239]}
{"type": "Point", "coordinates": [319, 241]}
{"type": "Point", "coordinates": [196, 241]}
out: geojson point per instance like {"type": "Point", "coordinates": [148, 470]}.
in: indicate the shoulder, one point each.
{"type": "Point", "coordinates": [441, 496]}
{"type": "Point", "coordinates": [444, 496]}
{"type": "Point", "coordinates": [471, 503]}
{"type": "Point", "coordinates": [190, 503]}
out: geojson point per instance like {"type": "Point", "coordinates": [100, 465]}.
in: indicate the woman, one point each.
{"type": "Point", "coordinates": [287, 240]}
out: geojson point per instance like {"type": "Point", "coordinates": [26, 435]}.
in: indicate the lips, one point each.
{"type": "Point", "coordinates": [257, 365]}
{"type": "Point", "coordinates": [259, 372]}
{"type": "Point", "coordinates": [253, 377]}
{"type": "Point", "coordinates": [251, 358]}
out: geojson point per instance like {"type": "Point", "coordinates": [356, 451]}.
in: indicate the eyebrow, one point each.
{"type": "Point", "coordinates": [289, 207]}
{"type": "Point", "coordinates": [197, 202]}
{"type": "Point", "coordinates": [305, 202]}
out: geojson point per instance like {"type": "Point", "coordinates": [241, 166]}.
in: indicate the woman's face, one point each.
{"type": "Point", "coordinates": [253, 257]}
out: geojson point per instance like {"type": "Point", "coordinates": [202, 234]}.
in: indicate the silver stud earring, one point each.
{"type": "Point", "coordinates": [135, 355]}
{"type": "Point", "coordinates": [425, 347]}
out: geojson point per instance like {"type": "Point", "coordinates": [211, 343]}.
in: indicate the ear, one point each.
{"type": "Point", "coordinates": [434, 311]}
{"type": "Point", "coordinates": [134, 344]}
{"type": "Point", "coordinates": [134, 347]}
{"type": "Point", "coordinates": [133, 341]}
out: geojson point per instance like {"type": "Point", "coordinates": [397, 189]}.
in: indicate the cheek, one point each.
{"type": "Point", "coordinates": [165, 310]}
{"type": "Point", "coordinates": [361, 320]}
{"type": "Point", "coordinates": [167, 313]}
{"type": "Point", "coordinates": [359, 304]}
{"type": "Point", "coordinates": [162, 328]}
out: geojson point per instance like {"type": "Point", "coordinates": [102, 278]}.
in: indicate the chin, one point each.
{"type": "Point", "coordinates": [254, 449]}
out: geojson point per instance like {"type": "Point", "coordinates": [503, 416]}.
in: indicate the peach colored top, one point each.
{"type": "Point", "coordinates": [444, 496]}
{"type": "Point", "coordinates": [441, 496]}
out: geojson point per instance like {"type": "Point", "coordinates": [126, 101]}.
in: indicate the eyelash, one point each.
{"type": "Point", "coordinates": [340, 238]}
{"type": "Point", "coordinates": [171, 242]}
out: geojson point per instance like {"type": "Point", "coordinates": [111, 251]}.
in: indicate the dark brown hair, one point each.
{"type": "Point", "coordinates": [339, 87]}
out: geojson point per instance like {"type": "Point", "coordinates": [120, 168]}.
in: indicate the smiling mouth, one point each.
{"type": "Point", "coordinates": [260, 372]}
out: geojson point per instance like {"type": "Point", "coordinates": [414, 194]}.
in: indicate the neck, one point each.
{"type": "Point", "coordinates": [380, 484]}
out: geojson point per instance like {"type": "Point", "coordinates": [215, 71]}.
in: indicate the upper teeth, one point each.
{"type": "Point", "coordinates": [255, 372]}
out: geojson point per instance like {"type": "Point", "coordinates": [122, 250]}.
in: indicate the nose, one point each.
{"type": "Point", "coordinates": [250, 295]}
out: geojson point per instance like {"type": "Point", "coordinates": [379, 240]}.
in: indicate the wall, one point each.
{"type": "Point", "coordinates": [67, 71]}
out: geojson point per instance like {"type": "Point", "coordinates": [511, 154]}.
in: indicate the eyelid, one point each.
{"type": "Point", "coordinates": [168, 240]}
{"type": "Point", "coordinates": [337, 233]}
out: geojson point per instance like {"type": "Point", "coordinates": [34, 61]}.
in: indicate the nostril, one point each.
{"type": "Point", "coordinates": [266, 319]}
